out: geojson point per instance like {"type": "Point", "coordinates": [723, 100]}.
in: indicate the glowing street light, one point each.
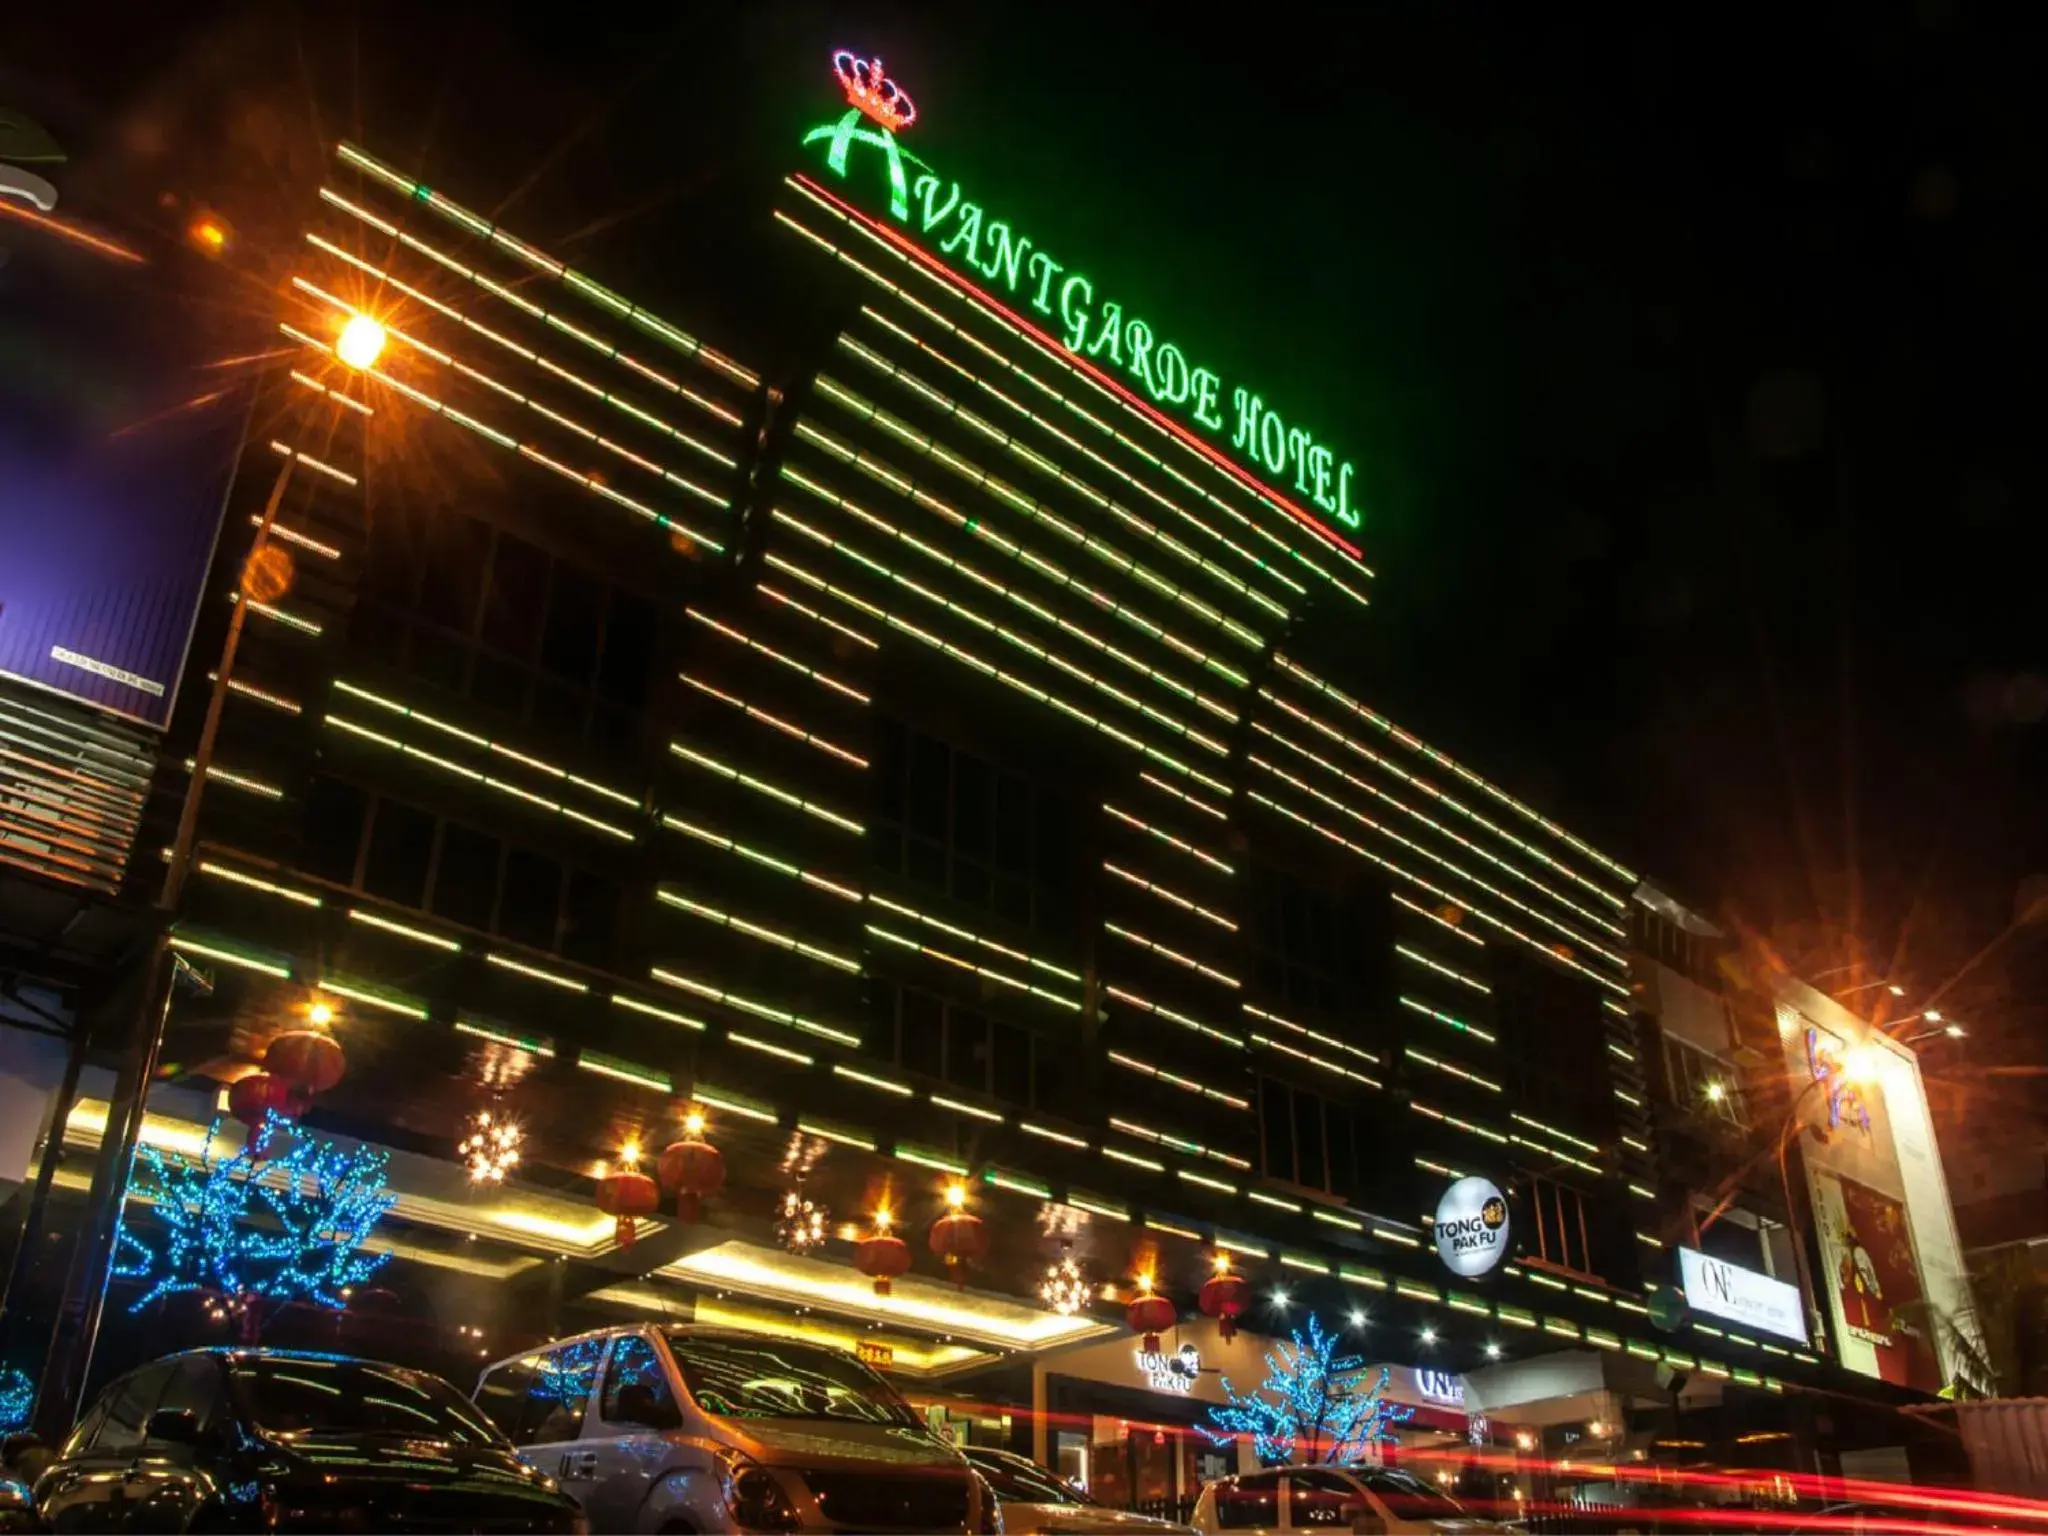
{"type": "Point", "coordinates": [361, 344]}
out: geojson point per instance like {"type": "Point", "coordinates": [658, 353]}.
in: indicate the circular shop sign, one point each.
{"type": "Point", "coordinates": [1472, 1227]}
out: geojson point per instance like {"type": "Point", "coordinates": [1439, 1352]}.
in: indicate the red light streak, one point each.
{"type": "Point", "coordinates": [67, 231]}
{"type": "Point", "coordinates": [1151, 412]}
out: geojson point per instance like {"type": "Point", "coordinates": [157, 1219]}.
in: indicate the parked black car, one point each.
{"type": "Point", "coordinates": [275, 1440]}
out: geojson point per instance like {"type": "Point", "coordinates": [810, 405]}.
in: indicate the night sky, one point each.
{"type": "Point", "coordinates": [1691, 365]}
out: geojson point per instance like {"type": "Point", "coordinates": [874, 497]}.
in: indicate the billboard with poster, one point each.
{"type": "Point", "coordinates": [118, 434]}
{"type": "Point", "coordinates": [1873, 1281]}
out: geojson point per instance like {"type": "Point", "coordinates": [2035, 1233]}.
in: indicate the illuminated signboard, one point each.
{"type": "Point", "coordinates": [1824, 1059]}
{"type": "Point", "coordinates": [1472, 1227]}
{"type": "Point", "coordinates": [1090, 324]}
{"type": "Point", "coordinates": [117, 440]}
{"type": "Point", "coordinates": [1446, 1387]}
{"type": "Point", "coordinates": [1738, 1295]}
{"type": "Point", "coordinates": [1171, 1373]}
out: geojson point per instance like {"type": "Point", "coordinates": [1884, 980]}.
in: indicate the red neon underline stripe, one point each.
{"type": "Point", "coordinates": [1152, 413]}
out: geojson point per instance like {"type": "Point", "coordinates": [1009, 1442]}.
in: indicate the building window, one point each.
{"type": "Point", "coordinates": [960, 827]}
{"type": "Point", "coordinates": [477, 611]}
{"type": "Point", "coordinates": [1559, 1225]}
{"type": "Point", "coordinates": [957, 1044]}
{"type": "Point", "coordinates": [1702, 1083]}
{"type": "Point", "coordinates": [1308, 1140]}
{"type": "Point", "coordinates": [1310, 949]}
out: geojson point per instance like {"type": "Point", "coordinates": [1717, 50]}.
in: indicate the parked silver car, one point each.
{"type": "Point", "coordinates": [690, 1429]}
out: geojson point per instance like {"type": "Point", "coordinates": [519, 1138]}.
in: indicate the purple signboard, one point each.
{"type": "Point", "coordinates": [117, 441]}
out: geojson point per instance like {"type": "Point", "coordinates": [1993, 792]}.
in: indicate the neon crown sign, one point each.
{"type": "Point", "coordinates": [1098, 332]}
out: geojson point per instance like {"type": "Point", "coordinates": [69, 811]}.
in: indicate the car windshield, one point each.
{"type": "Point", "coordinates": [297, 1395]}
{"type": "Point", "coordinates": [1017, 1481]}
{"type": "Point", "coordinates": [1407, 1495]}
{"type": "Point", "coordinates": [743, 1379]}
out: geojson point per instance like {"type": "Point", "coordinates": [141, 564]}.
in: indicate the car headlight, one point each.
{"type": "Point", "coordinates": [753, 1495]}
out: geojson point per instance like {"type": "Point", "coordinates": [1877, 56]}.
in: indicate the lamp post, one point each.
{"type": "Point", "coordinates": [85, 1284]}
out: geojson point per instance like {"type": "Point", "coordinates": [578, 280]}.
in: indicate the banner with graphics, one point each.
{"type": "Point", "coordinates": [118, 433]}
{"type": "Point", "coordinates": [1873, 1283]}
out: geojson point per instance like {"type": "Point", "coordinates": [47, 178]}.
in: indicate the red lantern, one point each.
{"type": "Point", "coordinates": [882, 1256]}
{"type": "Point", "coordinates": [692, 1169]}
{"type": "Point", "coordinates": [1150, 1314]}
{"type": "Point", "coordinates": [253, 1100]}
{"type": "Point", "coordinates": [309, 1059]}
{"type": "Point", "coordinates": [1225, 1297]}
{"type": "Point", "coordinates": [958, 1237]}
{"type": "Point", "coordinates": [627, 1194]}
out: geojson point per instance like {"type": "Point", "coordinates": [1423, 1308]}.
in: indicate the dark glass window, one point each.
{"type": "Point", "coordinates": [401, 849]}
{"type": "Point", "coordinates": [466, 878]}
{"type": "Point", "coordinates": [560, 1394]}
{"type": "Point", "coordinates": [195, 1387]}
{"type": "Point", "coordinates": [636, 1389]}
{"type": "Point", "coordinates": [129, 1405]}
{"type": "Point", "coordinates": [518, 594]}
{"type": "Point", "coordinates": [530, 907]}
{"type": "Point", "coordinates": [962, 827]}
{"type": "Point", "coordinates": [502, 1397]}
{"type": "Point", "coordinates": [590, 918]}
{"type": "Point", "coordinates": [1306, 1139]}
{"type": "Point", "coordinates": [568, 645]}
{"type": "Point", "coordinates": [334, 830]}
{"type": "Point", "coordinates": [452, 582]}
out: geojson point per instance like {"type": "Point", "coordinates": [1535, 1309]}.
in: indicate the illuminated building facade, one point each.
{"type": "Point", "coordinates": [909, 762]}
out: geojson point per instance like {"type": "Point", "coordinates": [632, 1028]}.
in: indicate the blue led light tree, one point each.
{"type": "Point", "coordinates": [1313, 1405]}
{"type": "Point", "coordinates": [17, 1397]}
{"type": "Point", "coordinates": [288, 1228]}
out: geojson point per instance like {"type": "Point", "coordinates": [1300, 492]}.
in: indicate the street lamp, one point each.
{"type": "Point", "coordinates": [358, 346]}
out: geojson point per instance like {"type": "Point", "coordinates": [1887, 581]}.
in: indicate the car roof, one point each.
{"type": "Point", "coordinates": [689, 1330]}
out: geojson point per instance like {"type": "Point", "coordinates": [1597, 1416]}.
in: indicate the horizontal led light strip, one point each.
{"type": "Point", "coordinates": [811, 613]}
{"type": "Point", "coordinates": [1562, 929]}
{"type": "Point", "coordinates": [257, 883]}
{"type": "Point", "coordinates": [513, 445]}
{"type": "Point", "coordinates": [213, 949]}
{"type": "Point", "coordinates": [1419, 958]}
{"type": "Point", "coordinates": [619, 450]}
{"type": "Point", "coordinates": [1452, 1069]}
{"type": "Point", "coordinates": [1416, 744]}
{"type": "Point", "coordinates": [926, 446]}
{"type": "Point", "coordinates": [1183, 796]}
{"type": "Point", "coordinates": [526, 306]}
{"type": "Point", "coordinates": [986, 972]}
{"type": "Point", "coordinates": [364, 733]}
{"type": "Point", "coordinates": [794, 732]}
{"type": "Point", "coordinates": [286, 450]}
{"type": "Point", "coordinates": [1174, 955]}
{"type": "Point", "coordinates": [404, 931]}
{"type": "Point", "coordinates": [1010, 594]}
{"type": "Point", "coordinates": [1435, 890]}
{"type": "Point", "coordinates": [215, 773]}
{"type": "Point", "coordinates": [1184, 1084]}
{"type": "Point", "coordinates": [1358, 749]}
{"type": "Point", "coordinates": [624, 1071]}
{"type": "Point", "coordinates": [1463, 1125]}
{"type": "Point", "coordinates": [954, 411]}
{"type": "Point", "coordinates": [766, 860]}
{"type": "Point", "coordinates": [332, 394]}
{"type": "Point", "coordinates": [1168, 838]}
{"type": "Point", "coordinates": [754, 930]}
{"type": "Point", "coordinates": [280, 616]}
{"type": "Point", "coordinates": [989, 669]}
{"type": "Point", "coordinates": [932, 268]}
{"type": "Point", "coordinates": [617, 797]}
{"type": "Point", "coordinates": [1171, 898]}
{"type": "Point", "coordinates": [821, 679]}
{"type": "Point", "coordinates": [1309, 1034]}
{"type": "Point", "coordinates": [1269, 1043]}
{"type": "Point", "coordinates": [1597, 919]}
{"type": "Point", "coordinates": [1160, 1010]}
{"type": "Point", "coordinates": [758, 1009]}
{"type": "Point", "coordinates": [1551, 1130]}
{"type": "Point", "coordinates": [903, 485]}
{"type": "Point", "coordinates": [1073, 406]}
{"type": "Point", "coordinates": [974, 938]}
{"type": "Point", "coordinates": [292, 536]}
{"type": "Point", "coordinates": [1178, 1143]}
{"type": "Point", "coordinates": [1442, 922]}
{"type": "Point", "coordinates": [462, 218]}
{"type": "Point", "coordinates": [1462, 1026]}
{"type": "Point", "coordinates": [1069, 441]}
{"type": "Point", "coordinates": [762, 787]}
{"type": "Point", "coordinates": [1021, 642]}
{"type": "Point", "coordinates": [619, 403]}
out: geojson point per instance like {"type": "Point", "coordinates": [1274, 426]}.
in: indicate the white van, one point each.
{"type": "Point", "coordinates": [688, 1429]}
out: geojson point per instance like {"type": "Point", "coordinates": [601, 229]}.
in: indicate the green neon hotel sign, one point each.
{"type": "Point", "coordinates": [1089, 325]}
